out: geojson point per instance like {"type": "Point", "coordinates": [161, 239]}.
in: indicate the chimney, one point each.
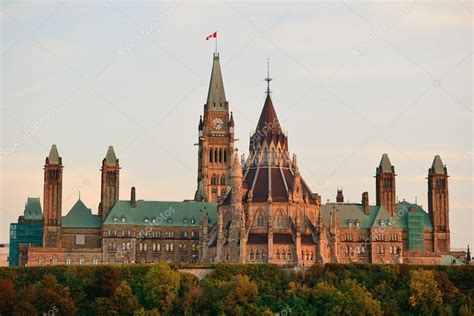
{"type": "Point", "coordinates": [365, 202]}
{"type": "Point", "coordinates": [133, 201]}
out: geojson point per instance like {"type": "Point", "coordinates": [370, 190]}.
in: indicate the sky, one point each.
{"type": "Point", "coordinates": [351, 80]}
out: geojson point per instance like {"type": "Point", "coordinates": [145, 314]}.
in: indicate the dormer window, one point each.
{"type": "Point", "coordinates": [153, 220]}
{"type": "Point", "coordinates": [349, 222]}
{"type": "Point", "coordinates": [146, 220]}
{"type": "Point", "coordinates": [357, 224]}
{"type": "Point", "coordinates": [123, 219]}
{"type": "Point", "coordinates": [115, 218]}
{"type": "Point", "coordinates": [193, 221]}
{"type": "Point", "coordinates": [185, 221]}
{"type": "Point", "coordinates": [169, 220]}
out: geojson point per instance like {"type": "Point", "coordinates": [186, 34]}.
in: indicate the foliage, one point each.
{"type": "Point", "coordinates": [238, 289]}
{"type": "Point", "coordinates": [161, 287]}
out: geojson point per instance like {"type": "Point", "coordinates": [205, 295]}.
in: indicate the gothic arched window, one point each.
{"type": "Point", "coordinates": [278, 254]}
{"type": "Point", "coordinates": [216, 153]}
{"type": "Point", "coordinates": [281, 220]}
{"type": "Point", "coordinates": [210, 155]}
{"type": "Point", "coordinates": [223, 180]}
{"type": "Point", "coordinates": [260, 219]}
{"type": "Point", "coordinates": [225, 155]}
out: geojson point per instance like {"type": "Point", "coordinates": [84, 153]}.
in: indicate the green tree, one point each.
{"type": "Point", "coordinates": [161, 287]}
{"type": "Point", "coordinates": [425, 293]}
{"type": "Point", "coordinates": [354, 299]}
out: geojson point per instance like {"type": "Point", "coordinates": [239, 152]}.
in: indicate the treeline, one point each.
{"type": "Point", "coordinates": [236, 289]}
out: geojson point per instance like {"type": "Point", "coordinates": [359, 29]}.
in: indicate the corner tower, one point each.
{"type": "Point", "coordinates": [438, 205]}
{"type": "Point", "coordinates": [216, 140]}
{"type": "Point", "coordinates": [109, 188]}
{"type": "Point", "coordinates": [385, 185]}
{"type": "Point", "coordinates": [52, 198]}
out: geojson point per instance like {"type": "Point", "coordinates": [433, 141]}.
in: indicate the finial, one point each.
{"type": "Point", "coordinates": [268, 79]}
{"type": "Point", "coordinates": [79, 195]}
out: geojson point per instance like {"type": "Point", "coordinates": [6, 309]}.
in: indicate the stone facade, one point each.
{"type": "Point", "coordinates": [250, 210]}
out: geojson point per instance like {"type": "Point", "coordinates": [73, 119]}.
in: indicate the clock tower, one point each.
{"type": "Point", "coordinates": [216, 141]}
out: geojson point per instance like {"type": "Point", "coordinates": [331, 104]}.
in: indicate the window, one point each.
{"type": "Point", "coordinates": [112, 260]}
{"type": "Point", "coordinates": [278, 254]}
{"type": "Point", "coordinates": [55, 260]}
{"type": "Point", "coordinates": [68, 260]}
{"type": "Point", "coordinates": [123, 219]}
{"type": "Point", "coordinates": [141, 247]}
{"type": "Point", "coordinates": [146, 220]}
{"type": "Point", "coordinates": [193, 221]}
{"type": "Point", "coordinates": [185, 221]}
{"type": "Point", "coordinates": [283, 254]}
{"type": "Point", "coordinates": [95, 261]}
{"type": "Point", "coordinates": [171, 247]}
{"type": "Point", "coordinates": [115, 218]}
{"type": "Point", "coordinates": [260, 219]}
{"type": "Point", "coordinates": [169, 222]}
{"type": "Point", "coordinates": [80, 240]}
{"type": "Point", "coordinates": [167, 247]}
{"type": "Point", "coordinates": [251, 254]}
{"type": "Point", "coordinates": [288, 256]}
{"type": "Point", "coordinates": [194, 248]}
{"type": "Point", "coordinates": [281, 221]}
{"type": "Point", "coordinates": [41, 261]}
{"type": "Point", "coordinates": [82, 260]}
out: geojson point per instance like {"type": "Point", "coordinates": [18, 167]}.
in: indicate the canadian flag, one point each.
{"type": "Point", "coordinates": [213, 35]}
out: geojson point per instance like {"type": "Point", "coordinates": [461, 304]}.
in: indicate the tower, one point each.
{"type": "Point", "coordinates": [109, 188]}
{"type": "Point", "coordinates": [385, 185]}
{"type": "Point", "coordinates": [438, 205]}
{"type": "Point", "coordinates": [216, 140]}
{"type": "Point", "coordinates": [52, 198]}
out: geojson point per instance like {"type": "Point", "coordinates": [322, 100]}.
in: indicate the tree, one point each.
{"type": "Point", "coordinates": [7, 295]}
{"type": "Point", "coordinates": [425, 293]}
{"type": "Point", "coordinates": [161, 287]}
{"type": "Point", "coordinates": [45, 296]}
{"type": "Point", "coordinates": [191, 294]}
{"type": "Point", "coordinates": [354, 299]}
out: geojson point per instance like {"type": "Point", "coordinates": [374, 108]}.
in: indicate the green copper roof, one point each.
{"type": "Point", "coordinates": [158, 213]}
{"type": "Point", "coordinates": [33, 209]}
{"type": "Point", "coordinates": [378, 216]}
{"type": "Point", "coordinates": [437, 166]}
{"type": "Point", "coordinates": [447, 260]}
{"type": "Point", "coordinates": [216, 94]}
{"type": "Point", "coordinates": [80, 217]}
{"type": "Point", "coordinates": [53, 157]}
{"type": "Point", "coordinates": [350, 213]}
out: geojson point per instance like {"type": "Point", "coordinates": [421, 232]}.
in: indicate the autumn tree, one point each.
{"type": "Point", "coordinates": [425, 293]}
{"type": "Point", "coordinates": [7, 295]}
{"type": "Point", "coordinates": [161, 287]}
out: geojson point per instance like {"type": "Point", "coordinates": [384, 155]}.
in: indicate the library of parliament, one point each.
{"type": "Point", "coordinates": [250, 210]}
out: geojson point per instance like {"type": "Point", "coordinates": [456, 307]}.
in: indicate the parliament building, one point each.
{"type": "Point", "coordinates": [251, 210]}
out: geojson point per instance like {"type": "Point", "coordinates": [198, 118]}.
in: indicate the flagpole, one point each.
{"type": "Point", "coordinates": [216, 43]}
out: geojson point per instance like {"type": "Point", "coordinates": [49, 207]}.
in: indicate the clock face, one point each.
{"type": "Point", "coordinates": [217, 123]}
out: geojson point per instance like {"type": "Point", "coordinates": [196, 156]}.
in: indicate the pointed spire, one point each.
{"type": "Point", "coordinates": [236, 167]}
{"type": "Point", "coordinates": [268, 119]}
{"type": "Point", "coordinates": [268, 79]}
{"type": "Point", "coordinates": [468, 255]}
{"type": "Point", "coordinates": [385, 164]}
{"type": "Point", "coordinates": [216, 94]}
{"type": "Point", "coordinates": [201, 124]}
{"type": "Point", "coordinates": [437, 166]}
{"type": "Point", "coordinates": [231, 121]}
{"type": "Point", "coordinates": [110, 157]}
{"type": "Point", "coordinates": [53, 157]}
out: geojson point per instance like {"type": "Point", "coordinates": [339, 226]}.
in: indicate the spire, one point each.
{"type": "Point", "coordinates": [231, 121]}
{"type": "Point", "coordinates": [268, 79]}
{"type": "Point", "coordinates": [200, 123]}
{"type": "Point", "coordinates": [216, 94]}
{"type": "Point", "coordinates": [437, 166]}
{"type": "Point", "coordinates": [385, 164]}
{"type": "Point", "coordinates": [53, 157]}
{"type": "Point", "coordinates": [340, 196]}
{"type": "Point", "coordinates": [110, 157]}
{"type": "Point", "coordinates": [268, 118]}
{"type": "Point", "coordinates": [236, 167]}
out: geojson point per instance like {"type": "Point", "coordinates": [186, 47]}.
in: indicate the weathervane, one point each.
{"type": "Point", "coordinates": [268, 79]}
